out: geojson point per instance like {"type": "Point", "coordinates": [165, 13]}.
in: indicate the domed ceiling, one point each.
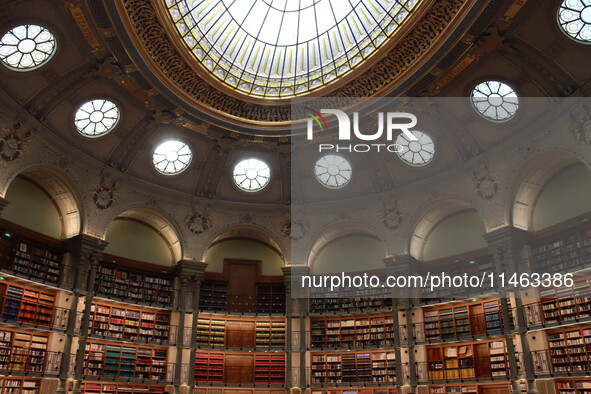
{"type": "Point", "coordinates": [117, 81]}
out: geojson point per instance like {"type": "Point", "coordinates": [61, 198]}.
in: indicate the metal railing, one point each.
{"type": "Point", "coordinates": [465, 369]}
{"type": "Point", "coordinates": [468, 327]}
{"type": "Point", "coordinates": [386, 377]}
{"type": "Point", "coordinates": [19, 312]}
{"type": "Point", "coordinates": [536, 316]}
{"type": "Point", "coordinates": [142, 335]}
{"type": "Point", "coordinates": [17, 361]}
{"type": "Point", "coordinates": [65, 280]}
{"type": "Point", "coordinates": [242, 339]}
{"type": "Point", "coordinates": [266, 375]}
{"type": "Point", "coordinates": [137, 372]}
{"type": "Point", "coordinates": [563, 365]}
{"type": "Point", "coordinates": [243, 304]}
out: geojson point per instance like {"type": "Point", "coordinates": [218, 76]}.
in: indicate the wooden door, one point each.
{"type": "Point", "coordinates": [238, 369]}
{"type": "Point", "coordinates": [477, 322]}
{"type": "Point", "coordinates": [482, 360]}
{"type": "Point", "coordinates": [240, 334]}
{"type": "Point", "coordinates": [242, 287]}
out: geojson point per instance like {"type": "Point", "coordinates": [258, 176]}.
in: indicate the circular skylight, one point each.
{"type": "Point", "coordinates": [96, 118]}
{"type": "Point", "coordinates": [252, 175]}
{"type": "Point", "coordinates": [495, 101]}
{"type": "Point", "coordinates": [283, 48]}
{"type": "Point", "coordinates": [27, 47]}
{"type": "Point", "coordinates": [574, 17]}
{"type": "Point", "coordinates": [172, 157]}
{"type": "Point", "coordinates": [416, 153]}
{"type": "Point", "coordinates": [333, 171]}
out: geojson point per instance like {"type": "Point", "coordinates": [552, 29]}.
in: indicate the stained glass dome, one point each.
{"type": "Point", "coordinates": [285, 48]}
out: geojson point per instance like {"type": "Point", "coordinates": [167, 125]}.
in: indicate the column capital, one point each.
{"type": "Point", "coordinates": [294, 270]}
{"type": "Point", "coordinates": [3, 203]}
{"type": "Point", "coordinates": [190, 270]}
{"type": "Point", "coordinates": [85, 245]}
{"type": "Point", "coordinates": [401, 264]}
{"type": "Point", "coordinates": [507, 236]}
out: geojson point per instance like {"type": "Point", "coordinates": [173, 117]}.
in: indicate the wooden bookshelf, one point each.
{"type": "Point", "coordinates": [19, 385]}
{"type": "Point", "coordinates": [256, 368]}
{"type": "Point", "coordinates": [114, 360]}
{"type": "Point", "coordinates": [570, 349]}
{"type": "Point", "coordinates": [348, 305]}
{"type": "Point", "coordinates": [117, 388]}
{"type": "Point", "coordinates": [573, 386]}
{"type": "Point", "coordinates": [353, 367]}
{"type": "Point", "coordinates": [569, 249]}
{"type": "Point", "coordinates": [37, 262]}
{"type": "Point", "coordinates": [353, 390]}
{"type": "Point", "coordinates": [27, 305]}
{"type": "Point", "coordinates": [22, 351]}
{"type": "Point", "coordinates": [130, 323]}
{"type": "Point", "coordinates": [243, 390]}
{"type": "Point", "coordinates": [270, 299]}
{"type": "Point", "coordinates": [474, 388]}
{"type": "Point", "coordinates": [251, 332]}
{"type": "Point", "coordinates": [358, 331]}
{"type": "Point", "coordinates": [450, 321]}
{"type": "Point", "coordinates": [468, 360]}
{"type": "Point", "coordinates": [213, 296]}
{"type": "Point", "coordinates": [566, 303]}
{"type": "Point", "coordinates": [134, 285]}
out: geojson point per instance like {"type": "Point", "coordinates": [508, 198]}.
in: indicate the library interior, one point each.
{"type": "Point", "coordinates": [146, 224]}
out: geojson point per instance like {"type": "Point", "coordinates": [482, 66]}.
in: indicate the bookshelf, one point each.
{"type": "Point", "coordinates": [353, 390]}
{"type": "Point", "coordinates": [123, 283]}
{"type": "Point", "coordinates": [573, 386]}
{"type": "Point", "coordinates": [270, 299]}
{"type": "Point", "coordinates": [255, 332]}
{"type": "Point", "coordinates": [359, 331]}
{"type": "Point", "coordinates": [257, 368]}
{"type": "Point", "coordinates": [348, 305]}
{"type": "Point", "coordinates": [36, 262]}
{"type": "Point", "coordinates": [111, 360]}
{"type": "Point", "coordinates": [213, 296]}
{"type": "Point", "coordinates": [463, 319]}
{"type": "Point", "coordinates": [566, 303]}
{"type": "Point", "coordinates": [20, 386]}
{"type": "Point", "coordinates": [209, 367]}
{"type": "Point", "coordinates": [130, 323]}
{"type": "Point", "coordinates": [571, 249]}
{"type": "Point", "coordinates": [116, 388]}
{"type": "Point", "coordinates": [243, 390]}
{"type": "Point", "coordinates": [469, 360]}
{"type": "Point", "coordinates": [473, 388]}
{"type": "Point", "coordinates": [570, 349]}
{"type": "Point", "coordinates": [269, 368]}
{"type": "Point", "coordinates": [27, 305]}
{"type": "Point", "coordinates": [22, 351]}
{"type": "Point", "coordinates": [353, 367]}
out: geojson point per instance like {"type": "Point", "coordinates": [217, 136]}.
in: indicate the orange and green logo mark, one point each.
{"type": "Point", "coordinates": [318, 118]}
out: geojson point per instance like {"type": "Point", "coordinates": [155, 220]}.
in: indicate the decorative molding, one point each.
{"type": "Point", "coordinates": [13, 141]}
{"type": "Point", "coordinates": [380, 77]}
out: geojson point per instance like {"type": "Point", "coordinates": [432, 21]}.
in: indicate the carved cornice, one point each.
{"type": "Point", "coordinates": [167, 62]}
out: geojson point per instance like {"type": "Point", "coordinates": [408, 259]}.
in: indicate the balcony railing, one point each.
{"type": "Point", "coordinates": [549, 363]}
{"type": "Point", "coordinates": [17, 361]}
{"type": "Point", "coordinates": [35, 315]}
{"type": "Point", "coordinates": [260, 375]}
{"type": "Point", "coordinates": [466, 369]}
{"type": "Point", "coordinates": [96, 368]}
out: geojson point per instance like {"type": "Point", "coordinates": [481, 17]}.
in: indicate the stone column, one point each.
{"type": "Point", "coordinates": [297, 297]}
{"type": "Point", "coordinates": [89, 253]}
{"type": "Point", "coordinates": [182, 307]}
{"type": "Point", "coordinates": [3, 204]}
{"type": "Point", "coordinates": [194, 271]}
{"type": "Point", "coordinates": [288, 329]}
{"type": "Point", "coordinates": [507, 245]}
{"type": "Point", "coordinates": [402, 300]}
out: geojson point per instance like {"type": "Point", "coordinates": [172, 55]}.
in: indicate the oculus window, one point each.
{"type": "Point", "coordinates": [495, 101]}
{"type": "Point", "coordinates": [172, 157]}
{"type": "Point", "coordinates": [416, 153]}
{"type": "Point", "coordinates": [251, 175]}
{"type": "Point", "coordinates": [27, 47]}
{"type": "Point", "coordinates": [333, 171]}
{"type": "Point", "coordinates": [574, 17]}
{"type": "Point", "coordinates": [284, 48]}
{"type": "Point", "coordinates": [96, 118]}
